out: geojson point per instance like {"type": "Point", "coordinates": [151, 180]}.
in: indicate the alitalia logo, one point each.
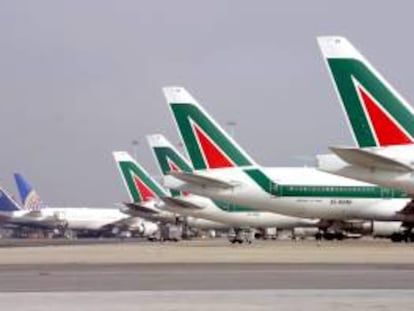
{"type": "Point", "coordinates": [386, 130]}
{"type": "Point", "coordinates": [377, 114]}
{"type": "Point", "coordinates": [213, 155]}
{"type": "Point", "coordinates": [173, 167]}
{"type": "Point", "coordinates": [170, 161]}
{"type": "Point", "coordinates": [145, 192]}
{"type": "Point", "coordinates": [140, 186]}
{"type": "Point", "coordinates": [207, 144]}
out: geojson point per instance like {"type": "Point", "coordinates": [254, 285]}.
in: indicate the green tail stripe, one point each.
{"type": "Point", "coordinates": [129, 169]}
{"type": "Point", "coordinates": [163, 154]}
{"type": "Point", "coordinates": [343, 70]}
{"type": "Point", "coordinates": [183, 113]}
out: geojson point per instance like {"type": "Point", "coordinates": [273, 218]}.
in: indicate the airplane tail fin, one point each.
{"type": "Point", "coordinates": [207, 144]}
{"type": "Point", "coordinates": [167, 157]}
{"type": "Point", "coordinates": [377, 114]}
{"type": "Point", "coordinates": [30, 198]}
{"type": "Point", "coordinates": [7, 203]}
{"type": "Point", "coordinates": [140, 185]}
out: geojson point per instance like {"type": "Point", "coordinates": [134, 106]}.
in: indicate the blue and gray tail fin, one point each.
{"type": "Point", "coordinates": [7, 203]}
{"type": "Point", "coordinates": [30, 198]}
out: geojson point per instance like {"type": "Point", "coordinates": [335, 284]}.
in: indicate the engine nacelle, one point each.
{"type": "Point", "coordinates": [386, 228]}
{"type": "Point", "coordinates": [148, 228]}
{"type": "Point", "coordinates": [305, 232]}
{"type": "Point", "coordinates": [375, 228]}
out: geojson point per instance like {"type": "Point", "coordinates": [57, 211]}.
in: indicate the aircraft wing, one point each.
{"type": "Point", "coordinates": [408, 209]}
{"type": "Point", "coordinates": [181, 203]}
{"type": "Point", "coordinates": [369, 159]}
{"type": "Point", "coordinates": [202, 181]}
{"type": "Point", "coordinates": [33, 214]}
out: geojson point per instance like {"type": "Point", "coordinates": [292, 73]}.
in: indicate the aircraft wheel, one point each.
{"type": "Point", "coordinates": [339, 236]}
{"type": "Point", "coordinates": [328, 236]}
{"type": "Point", "coordinates": [396, 237]}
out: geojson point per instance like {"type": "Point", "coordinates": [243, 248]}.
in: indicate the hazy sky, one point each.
{"type": "Point", "coordinates": [79, 79]}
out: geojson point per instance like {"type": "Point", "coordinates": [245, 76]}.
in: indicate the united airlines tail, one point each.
{"type": "Point", "coordinates": [30, 198]}
{"type": "Point", "coordinates": [377, 114]}
{"type": "Point", "coordinates": [7, 203]}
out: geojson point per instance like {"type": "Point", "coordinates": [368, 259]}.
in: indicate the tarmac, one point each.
{"type": "Point", "coordinates": [206, 274]}
{"type": "Point", "coordinates": [208, 251]}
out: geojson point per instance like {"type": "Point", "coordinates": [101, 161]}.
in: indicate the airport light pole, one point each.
{"type": "Point", "coordinates": [232, 128]}
{"type": "Point", "coordinates": [135, 145]}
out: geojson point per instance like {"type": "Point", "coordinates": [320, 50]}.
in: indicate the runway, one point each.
{"type": "Point", "coordinates": [186, 277]}
{"type": "Point", "coordinates": [252, 300]}
{"type": "Point", "coordinates": [206, 275]}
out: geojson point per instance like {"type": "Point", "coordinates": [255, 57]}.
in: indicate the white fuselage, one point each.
{"type": "Point", "coordinates": [76, 218]}
{"type": "Point", "coordinates": [234, 217]}
{"type": "Point", "coordinates": [249, 193]}
{"type": "Point", "coordinates": [170, 214]}
{"type": "Point", "coordinates": [384, 177]}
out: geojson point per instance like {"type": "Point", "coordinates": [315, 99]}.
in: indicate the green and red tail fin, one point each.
{"type": "Point", "coordinates": [167, 157]}
{"type": "Point", "coordinates": [140, 185]}
{"type": "Point", "coordinates": [377, 114]}
{"type": "Point", "coordinates": [207, 144]}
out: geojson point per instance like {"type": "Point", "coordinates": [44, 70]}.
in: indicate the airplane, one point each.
{"type": "Point", "coordinates": [381, 121]}
{"type": "Point", "coordinates": [78, 219]}
{"type": "Point", "coordinates": [239, 217]}
{"type": "Point", "coordinates": [224, 171]}
{"type": "Point", "coordinates": [13, 215]}
{"type": "Point", "coordinates": [145, 194]}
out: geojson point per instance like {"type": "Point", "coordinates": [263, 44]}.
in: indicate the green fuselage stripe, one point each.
{"type": "Point", "coordinates": [233, 208]}
{"type": "Point", "coordinates": [279, 190]}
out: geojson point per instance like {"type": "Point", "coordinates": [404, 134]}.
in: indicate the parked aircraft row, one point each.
{"type": "Point", "coordinates": [369, 193]}
{"type": "Point", "coordinates": [365, 189]}
{"type": "Point", "coordinates": [34, 213]}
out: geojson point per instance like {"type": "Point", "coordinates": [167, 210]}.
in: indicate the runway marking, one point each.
{"type": "Point", "coordinates": [321, 300]}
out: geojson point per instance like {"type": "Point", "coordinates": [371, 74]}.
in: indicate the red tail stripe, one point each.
{"type": "Point", "coordinates": [213, 155]}
{"type": "Point", "coordinates": [387, 132]}
{"type": "Point", "coordinates": [145, 192]}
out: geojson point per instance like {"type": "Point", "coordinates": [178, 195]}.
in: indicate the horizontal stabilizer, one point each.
{"type": "Point", "coordinates": [369, 159]}
{"type": "Point", "coordinates": [34, 214]}
{"type": "Point", "coordinates": [181, 203]}
{"type": "Point", "coordinates": [201, 181]}
{"type": "Point", "coordinates": [408, 209]}
{"type": "Point", "coordinates": [141, 208]}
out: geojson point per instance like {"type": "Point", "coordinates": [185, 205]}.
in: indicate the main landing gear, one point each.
{"type": "Point", "coordinates": [240, 236]}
